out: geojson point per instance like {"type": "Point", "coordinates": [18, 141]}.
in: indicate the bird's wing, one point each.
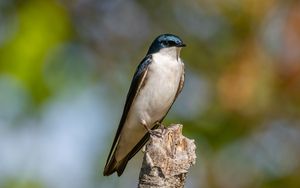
{"type": "Point", "coordinates": [122, 164]}
{"type": "Point", "coordinates": [136, 84]}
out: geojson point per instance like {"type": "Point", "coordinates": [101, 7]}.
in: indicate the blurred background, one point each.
{"type": "Point", "coordinates": [66, 66]}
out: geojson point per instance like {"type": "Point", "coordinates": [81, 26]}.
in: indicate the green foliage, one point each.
{"type": "Point", "coordinates": [41, 26]}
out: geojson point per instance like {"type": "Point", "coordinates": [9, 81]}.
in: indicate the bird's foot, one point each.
{"type": "Point", "coordinates": [160, 125]}
{"type": "Point", "coordinates": [155, 133]}
{"type": "Point", "coordinates": [152, 132]}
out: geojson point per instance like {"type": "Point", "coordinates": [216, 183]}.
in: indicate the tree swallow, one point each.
{"type": "Point", "coordinates": [158, 80]}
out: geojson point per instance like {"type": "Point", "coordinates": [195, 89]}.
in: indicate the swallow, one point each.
{"type": "Point", "coordinates": [157, 82]}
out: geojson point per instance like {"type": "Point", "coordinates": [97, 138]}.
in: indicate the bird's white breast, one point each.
{"type": "Point", "coordinates": [161, 86]}
{"type": "Point", "coordinates": [153, 100]}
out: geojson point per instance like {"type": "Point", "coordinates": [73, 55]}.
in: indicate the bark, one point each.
{"type": "Point", "coordinates": [167, 158]}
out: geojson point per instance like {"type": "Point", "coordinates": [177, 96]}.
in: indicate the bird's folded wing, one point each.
{"type": "Point", "coordinates": [136, 84]}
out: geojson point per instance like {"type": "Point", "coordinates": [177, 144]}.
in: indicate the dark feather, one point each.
{"type": "Point", "coordinates": [137, 81]}
{"type": "Point", "coordinates": [143, 141]}
{"type": "Point", "coordinates": [132, 153]}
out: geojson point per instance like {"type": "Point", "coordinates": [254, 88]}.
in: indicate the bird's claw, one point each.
{"type": "Point", "coordinates": [160, 126]}
{"type": "Point", "coordinates": [155, 133]}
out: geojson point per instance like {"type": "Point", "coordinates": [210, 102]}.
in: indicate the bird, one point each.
{"type": "Point", "coordinates": [158, 80]}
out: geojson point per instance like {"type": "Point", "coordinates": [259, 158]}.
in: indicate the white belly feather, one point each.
{"type": "Point", "coordinates": [158, 94]}
{"type": "Point", "coordinates": [153, 101]}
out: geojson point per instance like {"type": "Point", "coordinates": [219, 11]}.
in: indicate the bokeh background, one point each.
{"type": "Point", "coordinates": [66, 66]}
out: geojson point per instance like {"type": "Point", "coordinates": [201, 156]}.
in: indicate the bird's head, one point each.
{"type": "Point", "coordinates": [165, 41]}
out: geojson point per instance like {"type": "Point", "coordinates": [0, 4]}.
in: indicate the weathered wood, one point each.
{"type": "Point", "coordinates": [167, 158]}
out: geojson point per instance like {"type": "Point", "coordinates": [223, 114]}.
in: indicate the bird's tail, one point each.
{"type": "Point", "coordinates": [115, 166]}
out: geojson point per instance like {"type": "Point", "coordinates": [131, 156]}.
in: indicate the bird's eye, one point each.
{"type": "Point", "coordinates": [165, 42]}
{"type": "Point", "coordinates": [168, 43]}
{"type": "Point", "coordinates": [172, 43]}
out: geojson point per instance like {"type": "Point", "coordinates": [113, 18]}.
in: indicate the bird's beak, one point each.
{"type": "Point", "coordinates": [181, 45]}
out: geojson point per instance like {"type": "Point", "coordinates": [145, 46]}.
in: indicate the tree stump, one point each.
{"type": "Point", "coordinates": [167, 158]}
